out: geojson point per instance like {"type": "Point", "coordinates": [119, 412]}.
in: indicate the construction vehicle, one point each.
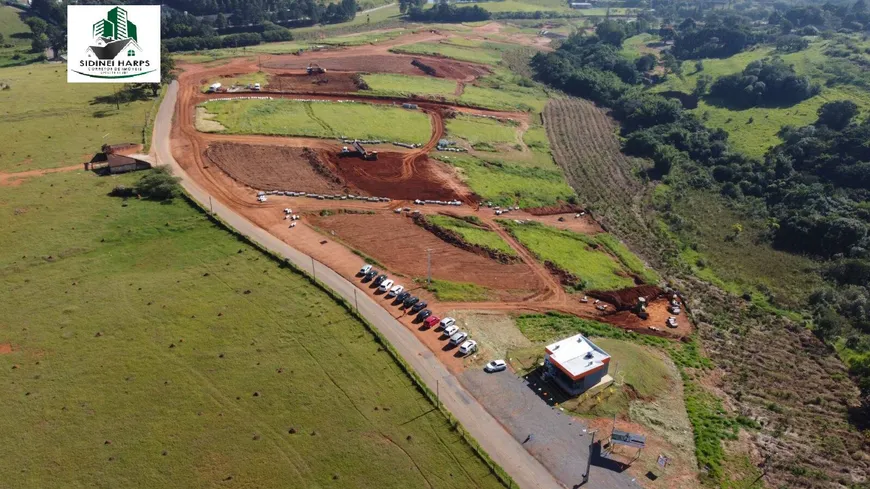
{"type": "Point", "coordinates": [358, 150]}
{"type": "Point", "coordinates": [315, 69]}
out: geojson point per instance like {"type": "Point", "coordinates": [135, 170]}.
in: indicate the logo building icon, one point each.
{"type": "Point", "coordinates": [113, 35]}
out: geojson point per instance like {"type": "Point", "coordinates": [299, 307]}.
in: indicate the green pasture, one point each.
{"type": "Point", "coordinates": [472, 233]}
{"type": "Point", "coordinates": [482, 131]}
{"type": "Point", "coordinates": [405, 86]}
{"type": "Point", "coordinates": [49, 123]}
{"type": "Point", "coordinates": [153, 349]}
{"type": "Point", "coordinates": [447, 50]}
{"type": "Point", "coordinates": [16, 36]}
{"type": "Point", "coordinates": [321, 120]}
{"type": "Point", "coordinates": [572, 252]}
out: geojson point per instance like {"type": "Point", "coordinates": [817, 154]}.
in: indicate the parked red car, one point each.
{"type": "Point", "coordinates": [431, 321]}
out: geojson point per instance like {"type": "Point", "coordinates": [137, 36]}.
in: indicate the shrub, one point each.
{"type": "Point", "coordinates": [159, 184]}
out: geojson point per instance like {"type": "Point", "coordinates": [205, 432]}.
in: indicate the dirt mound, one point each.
{"type": "Point", "coordinates": [401, 246]}
{"type": "Point", "coordinates": [384, 63]}
{"type": "Point", "coordinates": [275, 167]}
{"type": "Point", "coordinates": [457, 240]}
{"type": "Point", "coordinates": [625, 299]}
{"type": "Point", "coordinates": [387, 177]}
{"type": "Point", "coordinates": [326, 83]}
{"type": "Point", "coordinates": [555, 209]}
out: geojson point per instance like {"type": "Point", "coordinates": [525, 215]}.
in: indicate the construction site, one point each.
{"type": "Point", "coordinates": [349, 201]}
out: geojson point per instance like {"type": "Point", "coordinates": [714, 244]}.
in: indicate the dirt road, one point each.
{"type": "Point", "coordinates": [498, 443]}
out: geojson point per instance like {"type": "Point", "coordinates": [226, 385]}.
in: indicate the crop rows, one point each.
{"type": "Point", "coordinates": [585, 146]}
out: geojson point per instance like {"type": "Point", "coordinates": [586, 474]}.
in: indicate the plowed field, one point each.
{"type": "Point", "coordinates": [401, 245]}
{"type": "Point", "coordinates": [273, 167]}
{"type": "Point", "coordinates": [585, 145]}
{"type": "Point", "coordinates": [385, 63]}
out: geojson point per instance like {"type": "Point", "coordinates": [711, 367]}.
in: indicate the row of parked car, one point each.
{"type": "Point", "coordinates": [414, 305]}
{"type": "Point", "coordinates": [262, 196]}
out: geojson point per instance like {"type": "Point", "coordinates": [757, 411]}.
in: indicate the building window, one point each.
{"type": "Point", "coordinates": [131, 52]}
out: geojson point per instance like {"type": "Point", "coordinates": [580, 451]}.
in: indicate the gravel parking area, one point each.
{"type": "Point", "coordinates": [559, 441]}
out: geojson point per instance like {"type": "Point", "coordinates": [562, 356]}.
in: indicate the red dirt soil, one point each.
{"type": "Point", "coordinates": [326, 83]}
{"type": "Point", "coordinates": [401, 245]}
{"type": "Point", "coordinates": [624, 299]}
{"type": "Point", "coordinates": [381, 63]}
{"type": "Point", "coordinates": [5, 348]}
{"type": "Point", "coordinates": [273, 168]}
{"type": "Point", "coordinates": [384, 177]}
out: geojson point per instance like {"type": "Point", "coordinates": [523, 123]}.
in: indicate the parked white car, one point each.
{"type": "Point", "coordinates": [495, 366]}
{"type": "Point", "coordinates": [468, 347]}
{"type": "Point", "coordinates": [385, 285]}
{"type": "Point", "coordinates": [261, 198]}
{"type": "Point", "coordinates": [451, 330]}
{"type": "Point", "coordinates": [446, 323]}
{"type": "Point", "coordinates": [395, 291]}
{"type": "Point", "coordinates": [458, 337]}
{"type": "Point", "coordinates": [366, 269]}
{"type": "Point", "coordinates": [292, 224]}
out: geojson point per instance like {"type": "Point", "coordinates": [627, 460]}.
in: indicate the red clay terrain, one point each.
{"type": "Point", "coordinates": [233, 167]}
{"type": "Point", "coordinates": [325, 83]}
{"type": "Point", "coordinates": [274, 167]}
{"type": "Point", "coordinates": [379, 63]}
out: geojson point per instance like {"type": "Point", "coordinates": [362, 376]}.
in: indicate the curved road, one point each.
{"type": "Point", "coordinates": [498, 443]}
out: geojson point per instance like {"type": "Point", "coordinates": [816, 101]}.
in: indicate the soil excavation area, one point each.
{"type": "Point", "coordinates": [381, 63]}
{"type": "Point", "coordinates": [325, 83]}
{"type": "Point", "coordinates": [401, 245]}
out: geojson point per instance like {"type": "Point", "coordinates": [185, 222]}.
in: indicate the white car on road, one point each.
{"type": "Point", "coordinates": [395, 291]}
{"type": "Point", "coordinates": [468, 347]}
{"type": "Point", "coordinates": [495, 366]}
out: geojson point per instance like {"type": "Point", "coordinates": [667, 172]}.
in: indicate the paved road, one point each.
{"type": "Point", "coordinates": [498, 443]}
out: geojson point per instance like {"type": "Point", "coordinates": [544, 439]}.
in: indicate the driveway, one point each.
{"type": "Point", "coordinates": [560, 442]}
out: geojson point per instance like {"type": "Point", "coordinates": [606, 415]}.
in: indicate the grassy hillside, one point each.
{"type": "Point", "coordinates": [153, 349]}
{"type": "Point", "coordinates": [473, 234]}
{"type": "Point", "coordinates": [321, 120]}
{"type": "Point", "coordinates": [575, 253]}
{"type": "Point", "coordinates": [505, 183]}
{"type": "Point", "coordinates": [39, 111]}
{"type": "Point", "coordinates": [16, 36]}
{"type": "Point", "coordinates": [482, 133]}
{"type": "Point", "coordinates": [404, 85]}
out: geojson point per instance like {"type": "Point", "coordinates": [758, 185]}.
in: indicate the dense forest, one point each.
{"type": "Point", "coordinates": [812, 189]}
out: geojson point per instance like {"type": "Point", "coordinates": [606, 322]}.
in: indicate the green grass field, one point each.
{"type": "Point", "coordinates": [246, 79]}
{"type": "Point", "coordinates": [447, 291]}
{"type": "Point", "coordinates": [636, 46]}
{"type": "Point", "coordinates": [404, 85]}
{"type": "Point", "coordinates": [49, 123]}
{"type": "Point", "coordinates": [16, 34]}
{"type": "Point", "coordinates": [498, 93]}
{"type": "Point", "coordinates": [153, 349]}
{"type": "Point", "coordinates": [321, 120]}
{"type": "Point", "coordinates": [753, 131]}
{"type": "Point", "coordinates": [473, 54]}
{"type": "Point", "coordinates": [363, 38]}
{"type": "Point", "coordinates": [507, 183]}
{"type": "Point", "coordinates": [574, 253]}
{"type": "Point", "coordinates": [473, 234]}
{"type": "Point", "coordinates": [482, 131]}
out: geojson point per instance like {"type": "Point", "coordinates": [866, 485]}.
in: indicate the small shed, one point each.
{"type": "Point", "coordinates": [114, 164]}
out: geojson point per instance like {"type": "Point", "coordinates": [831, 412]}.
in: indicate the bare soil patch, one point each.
{"type": "Point", "coordinates": [496, 333]}
{"type": "Point", "coordinates": [393, 176]}
{"type": "Point", "coordinates": [330, 82]}
{"type": "Point", "coordinates": [401, 245]}
{"type": "Point", "coordinates": [385, 63]}
{"type": "Point", "coordinates": [5, 348]}
{"type": "Point", "coordinates": [274, 167]}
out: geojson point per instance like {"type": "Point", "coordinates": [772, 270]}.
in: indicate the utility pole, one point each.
{"type": "Point", "coordinates": [438, 392]}
{"type": "Point", "coordinates": [355, 301]}
{"type": "Point", "coordinates": [589, 460]}
{"type": "Point", "coordinates": [210, 205]}
{"type": "Point", "coordinates": [313, 271]}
